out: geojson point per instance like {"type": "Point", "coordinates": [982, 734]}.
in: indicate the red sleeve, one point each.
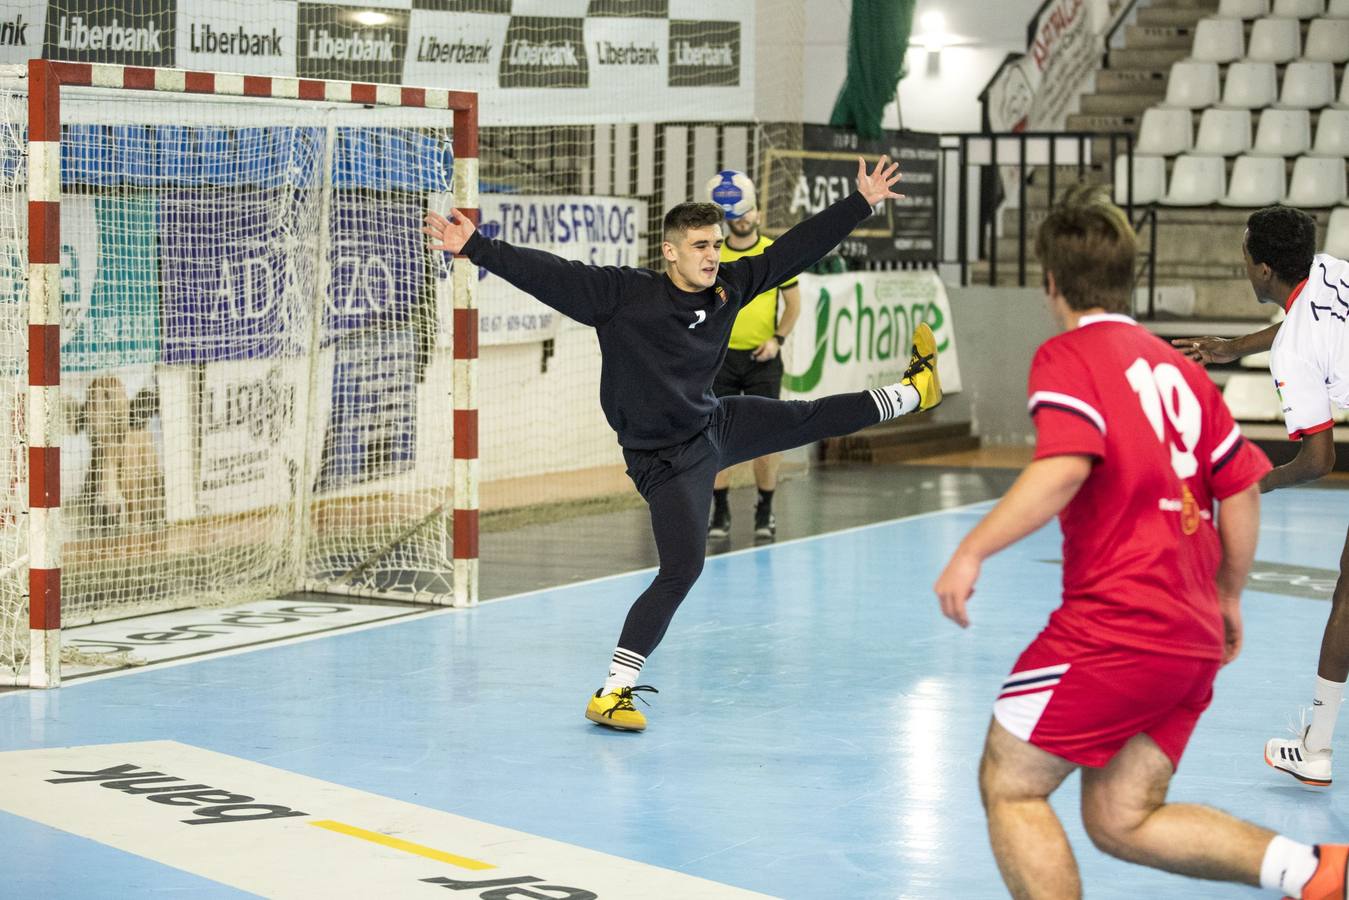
{"type": "Point", "coordinates": [1233, 463]}
{"type": "Point", "coordinates": [1063, 405]}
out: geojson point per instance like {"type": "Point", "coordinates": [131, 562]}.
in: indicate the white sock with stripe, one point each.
{"type": "Point", "coordinates": [1287, 866]}
{"type": "Point", "coordinates": [895, 400]}
{"type": "Point", "coordinates": [623, 669]}
{"type": "Point", "coordinates": [1325, 710]}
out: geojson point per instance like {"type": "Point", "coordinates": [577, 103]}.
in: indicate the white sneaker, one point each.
{"type": "Point", "coordinates": [1293, 757]}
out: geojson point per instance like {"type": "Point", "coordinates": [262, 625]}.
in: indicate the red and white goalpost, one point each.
{"type": "Point", "coordinates": [256, 353]}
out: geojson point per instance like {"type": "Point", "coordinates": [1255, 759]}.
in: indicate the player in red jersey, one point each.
{"type": "Point", "coordinates": [1134, 448]}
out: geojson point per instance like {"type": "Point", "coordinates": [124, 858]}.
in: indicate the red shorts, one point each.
{"type": "Point", "coordinates": [1083, 703]}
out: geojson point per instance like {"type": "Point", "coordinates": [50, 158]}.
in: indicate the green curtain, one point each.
{"type": "Point", "coordinates": [878, 35]}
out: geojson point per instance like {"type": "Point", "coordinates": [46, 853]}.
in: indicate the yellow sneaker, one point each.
{"type": "Point", "coordinates": [615, 709]}
{"type": "Point", "coordinates": [922, 370]}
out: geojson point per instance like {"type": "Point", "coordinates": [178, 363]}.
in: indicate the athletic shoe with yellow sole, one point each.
{"type": "Point", "coordinates": [615, 709]}
{"type": "Point", "coordinates": [922, 370]}
{"type": "Point", "coordinates": [1327, 882]}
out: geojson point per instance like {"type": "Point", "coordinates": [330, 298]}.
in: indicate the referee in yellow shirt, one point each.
{"type": "Point", "coordinates": [753, 363]}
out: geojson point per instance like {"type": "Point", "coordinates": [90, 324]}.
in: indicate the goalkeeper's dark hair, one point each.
{"type": "Point", "coordinates": [684, 216]}
{"type": "Point", "coordinates": [1284, 239]}
{"type": "Point", "coordinates": [1089, 247]}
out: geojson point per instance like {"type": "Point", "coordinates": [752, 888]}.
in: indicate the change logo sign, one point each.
{"type": "Point", "coordinates": [704, 54]}
{"type": "Point", "coordinates": [543, 52]}
{"type": "Point", "coordinates": [351, 43]}
{"type": "Point", "coordinates": [130, 34]}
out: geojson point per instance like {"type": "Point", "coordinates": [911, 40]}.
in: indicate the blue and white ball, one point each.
{"type": "Point", "coordinates": [733, 192]}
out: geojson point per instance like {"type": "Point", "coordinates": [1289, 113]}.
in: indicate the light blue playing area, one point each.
{"type": "Point", "coordinates": [816, 735]}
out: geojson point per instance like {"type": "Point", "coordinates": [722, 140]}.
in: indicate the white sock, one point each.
{"type": "Point", "coordinates": [1325, 710]}
{"type": "Point", "coordinates": [623, 670]}
{"type": "Point", "coordinates": [894, 400]}
{"type": "Point", "coordinates": [1287, 867]}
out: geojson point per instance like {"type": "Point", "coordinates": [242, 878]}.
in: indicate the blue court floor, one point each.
{"type": "Point", "coordinates": [816, 734]}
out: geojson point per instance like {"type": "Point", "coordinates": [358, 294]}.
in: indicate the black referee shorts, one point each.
{"type": "Point", "coordinates": [742, 374]}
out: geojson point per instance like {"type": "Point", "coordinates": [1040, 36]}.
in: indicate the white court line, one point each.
{"type": "Point", "coordinates": [418, 617]}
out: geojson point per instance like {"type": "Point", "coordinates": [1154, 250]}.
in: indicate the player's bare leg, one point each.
{"type": "Point", "coordinates": [1125, 812]}
{"type": "Point", "coordinates": [1015, 781]}
{"type": "Point", "coordinates": [1334, 662]}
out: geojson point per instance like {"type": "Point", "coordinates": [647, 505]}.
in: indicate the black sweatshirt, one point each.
{"type": "Point", "coordinates": [659, 356]}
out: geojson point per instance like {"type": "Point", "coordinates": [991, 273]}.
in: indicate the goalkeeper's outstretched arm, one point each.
{"type": "Point", "coordinates": [588, 294]}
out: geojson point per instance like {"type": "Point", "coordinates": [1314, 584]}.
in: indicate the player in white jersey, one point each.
{"type": "Point", "coordinates": [1309, 359]}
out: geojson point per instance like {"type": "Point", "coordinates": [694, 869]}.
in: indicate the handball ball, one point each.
{"type": "Point", "coordinates": [732, 191]}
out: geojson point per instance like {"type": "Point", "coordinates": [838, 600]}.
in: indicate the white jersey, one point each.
{"type": "Point", "coordinates": [1310, 356]}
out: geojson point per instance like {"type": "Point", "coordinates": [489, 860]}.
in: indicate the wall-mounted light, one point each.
{"type": "Point", "coordinates": [371, 19]}
{"type": "Point", "coordinates": [932, 31]}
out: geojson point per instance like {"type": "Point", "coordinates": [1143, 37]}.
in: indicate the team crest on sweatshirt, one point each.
{"type": "Point", "coordinates": [720, 292]}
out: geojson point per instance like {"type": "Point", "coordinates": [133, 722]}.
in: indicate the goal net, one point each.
{"type": "Point", "coordinates": [258, 378]}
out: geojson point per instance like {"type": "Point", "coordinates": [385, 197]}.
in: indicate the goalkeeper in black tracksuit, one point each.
{"type": "Point", "coordinates": [663, 337]}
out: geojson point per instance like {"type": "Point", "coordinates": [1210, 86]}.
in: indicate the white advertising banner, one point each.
{"type": "Point", "coordinates": [856, 331]}
{"type": "Point", "coordinates": [602, 231]}
{"type": "Point", "coordinates": [250, 422]}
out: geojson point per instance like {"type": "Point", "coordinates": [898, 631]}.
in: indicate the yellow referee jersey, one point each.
{"type": "Point", "coordinates": [759, 317]}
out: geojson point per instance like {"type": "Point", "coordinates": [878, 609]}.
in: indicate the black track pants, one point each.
{"type": "Point", "coordinates": [676, 483]}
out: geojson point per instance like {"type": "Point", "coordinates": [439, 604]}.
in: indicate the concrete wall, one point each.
{"type": "Point", "coordinates": [942, 89]}
{"type": "Point", "coordinates": [997, 331]}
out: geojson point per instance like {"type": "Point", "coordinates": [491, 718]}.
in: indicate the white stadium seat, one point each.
{"type": "Point", "coordinates": [1338, 9]}
{"type": "Point", "coordinates": [1224, 132]}
{"type": "Point", "coordinates": [1165, 131]}
{"type": "Point", "coordinates": [1275, 40]}
{"type": "Point", "coordinates": [1218, 40]}
{"type": "Point", "coordinates": [1343, 100]}
{"type": "Point", "coordinates": [1243, 9]}
{"type": "Point", "coordinates": [1299, 9]}
{"type": "Point", "coordinates": [1192, 84]}
{"type": "Point", "coordinates": [1332, 133]}
{"type": "Point", "coordinates": [1149, 179]}
{"type": "Point", "coordinates": [1318, 182]}
{"type": "Point", "coordinates": [1327, 41]}
{"type": "Point", "coordinates": [1283, 132]}
{"type": "Point", "coordinates": [1308, 85]}
{"type": "Point", "coordinates": [1196, 181]}
{"type": "Point", "coordinates": [1337, 233]}
{"type": "Point", "coordinates": [1256, 181]}
{"type": "Point", "coordinates": [1251, 398]}
{"type": "Point", "coordinates": [1250, 85]}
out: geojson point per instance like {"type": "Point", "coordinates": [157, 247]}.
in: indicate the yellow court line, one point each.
{"type": "Point", "coordinates": [375, 837]}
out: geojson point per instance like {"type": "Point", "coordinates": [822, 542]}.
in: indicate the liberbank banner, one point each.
{"type": "Point", "coordinates": [856, 330]}
{"type": "Point", "coordinates": [533, 62]}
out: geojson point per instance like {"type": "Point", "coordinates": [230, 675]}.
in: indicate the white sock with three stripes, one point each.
{"type": "Point", "coordinates": [623, 670]}
{"type": "Point", "coordinates": [895, 400]}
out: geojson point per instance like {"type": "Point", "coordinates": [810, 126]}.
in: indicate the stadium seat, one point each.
{"type": "Point", "coordinates": [1338, 9]}
{"type": "Point", "coordinates": [1192, 84]}
{"type": "Point", "coordinates": [1337, 233]}
{"type": "Point", "coordinates": [1299, 9]}
{"type": "Point", "coordinates": [1149, 179]}
{"type": "Point", "coordinates": [1342, 102]}
{"type": "Point", "coordinates": [1256, 181]}
{"type": "Point", "coordinates": [1327, 41]}
{"type": "Point", "coordinates": [1218, 40]}
{"type": "Point", "coordinates": [1196, 181]}
{"type": "Point", "coordinates": [1275, 40]}
{"type": "Point", "coordinates": [1318, 182]}
{"type": "Point", "coordinates": [1307, 85]}
{"type": "Point", "coordinates": [1243, 9]}
{"type": "Point", "coordinates": [1223, 132]}
{"type": "Point", "coordinates": [1283, 132]}
{"type": "Point", "coordinates": [1165, 132]}
{"type": "Point", "coordinates": [1332, 133]}
{"type": "Point", "coordinates": [1250, 85]}
{"type": "Point", "coordinates": [1251, 398]}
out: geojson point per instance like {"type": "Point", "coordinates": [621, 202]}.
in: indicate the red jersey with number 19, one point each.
{"type": "Point", "coordinates": [1140, 549]}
